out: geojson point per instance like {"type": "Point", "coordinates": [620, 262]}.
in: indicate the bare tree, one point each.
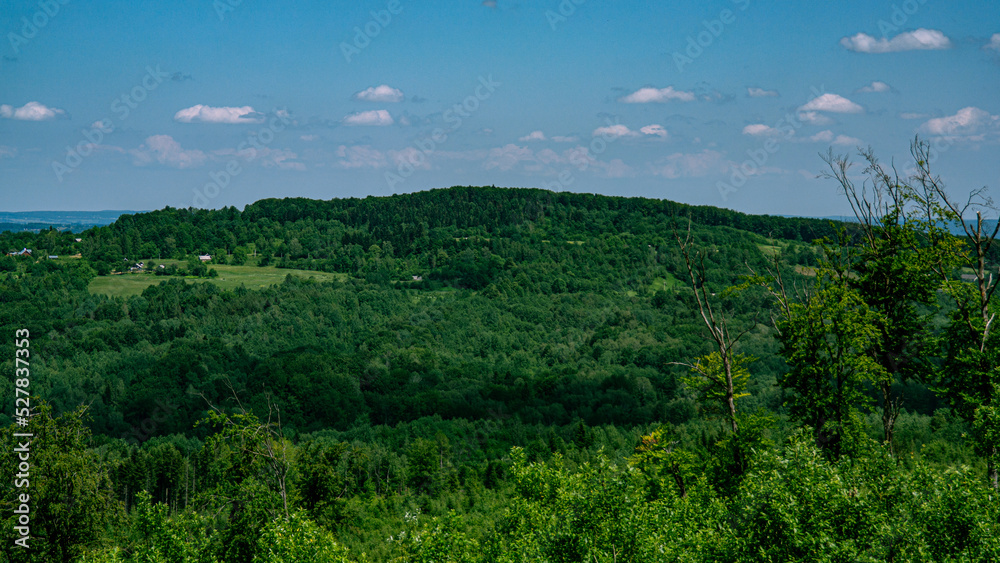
{"type": "Point", "coordinates": [725, 376]}
{"type": "Point", "coordinates": [890, 270]}
{"type": "Point", "coordinates": [263, 442]}
{"type": "Point", "coordinates": [970, 380]}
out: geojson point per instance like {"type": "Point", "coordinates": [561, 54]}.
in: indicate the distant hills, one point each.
{"type": "Point", "coordinates": [79, 221]}
{"type": "Point", "coordinates": [956, 229]}
{"type": "Point", "coordinates": [75, 221]}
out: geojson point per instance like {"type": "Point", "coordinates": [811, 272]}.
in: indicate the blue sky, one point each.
{"type": "Point", "coordinates": [139, 105]}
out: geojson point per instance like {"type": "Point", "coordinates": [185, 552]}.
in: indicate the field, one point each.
{"type": "Point", "coordinates": [230, 277]}
{"type": "Point", "coordinates": [666, 283]}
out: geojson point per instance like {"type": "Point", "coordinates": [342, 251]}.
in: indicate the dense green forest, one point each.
{"type": "Point", "coordinates": [512, 375]}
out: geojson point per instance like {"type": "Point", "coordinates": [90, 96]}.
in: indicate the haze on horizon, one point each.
{"type": "Point", "coordinates": [730, 103]}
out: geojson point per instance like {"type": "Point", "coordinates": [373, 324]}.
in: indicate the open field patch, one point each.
{"type": "Point", "coordinates": [230, 277]}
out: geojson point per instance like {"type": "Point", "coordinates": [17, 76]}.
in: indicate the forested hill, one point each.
{"type": "Point", "coordinates": [332, 234]}
{"type": "Point", "coordinates": [404, 219]}
{"type": "Point", "coordinates": [498, 210]}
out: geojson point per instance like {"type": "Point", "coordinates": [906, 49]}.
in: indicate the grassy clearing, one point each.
{"type": "Point", "coordinates": [770, 249]}
{"type": "Point", "coordinates": [667, 283]}
{"type": "Point", "coordinates": [230, 277]}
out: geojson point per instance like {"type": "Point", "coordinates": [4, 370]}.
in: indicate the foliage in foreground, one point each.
{"type": "Point", "coordinates": [794, 504]}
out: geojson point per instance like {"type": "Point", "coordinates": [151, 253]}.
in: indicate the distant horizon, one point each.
{"type": "Point", "coordinates": [119, 212]}
{"type": "Point", "coordinates": [81, 211]}
{"type": "Point", "coordinates": [241, 208]}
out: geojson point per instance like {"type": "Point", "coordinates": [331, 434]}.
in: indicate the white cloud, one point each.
{"type": "Point", "coordinates": [411, 156]}
{"type": "Point", "coordinates": [360, 156]}
{"type": "Point", "coordinates": [565, 138]}
{"type": "Point", "coordinates": [680, 165]}
{"type": "Point", "coordinates": [876, 86]}
{"type": "Point", "coordinates": [284, 159]}
{"type": "Point", "coordinates": [654, 130]}
{"type": "Point", "coordinates": [822, 137]}
{"type": "Point", "coordinates": [968, 121]}
{"type": "Point", "coordinates": [381, 93]}
{"type": "Point", "coordinates": [761, 130]}
{"type": "Point", "coordinates": [165, 150]}
{"type": "Point", "coordinates": [7, 152]}
{"type": "Point", "coordinates": [545, 162]}
{"type": "Point", "coordinates": [579, 156]}
{"type": "Point", "coordinates": [762, 93]}
{"type": "Point", "coordinates": [832, 103]}
{"type": "Point", "coordinates": [582, 160]}
{"type": "Point", "coordinates": [309, 137]}
{"type": "Point", "coordinates": [614, 132]}
{"type": "Point", "coordinates": [661, 95]}
{"type": "Point", "coordinates": [827, 136]}
{"type": "Point", "coordinates": [471, 155]}
{"type": "Point", "coordinates": [31, 111]}
{"type": "Point", "coordinates": [920, 39]}
{"type": "Point", "coordinates": [994, 43]}
{"type": "Point", "coordinates": [106, 149]}
{"type": "Point", "coordinates": [533, 136]}
{"type": "Point", "coordinates": [547, 156]}
{"type": "Point", "coordinates": [814, 118]}
{"type": "Point", "coordinates": [913, 115]}
{"type": "Point", "coordinates": [263, 156]}
{"type": "Point", "coordinates": [615, 168]}
{"type": "Point", "coordinates": [376, 118]}
{"type": "Point", "coordinates": [618, 131]}
{"type": "Point", "coordinates": [847, 141]}
{"type": "Point", "coordinates": [206, 114]}
{"type": "Point", "coordinates": [507, 157]}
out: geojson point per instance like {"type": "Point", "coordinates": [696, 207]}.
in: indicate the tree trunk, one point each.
{"type": "Point", "coordinates": [991, 469]}
{"type": "Point", "coordinates": [284, 497]}
{"type": "Point", "coordinates": [890, 410]}
{"type": "Point", "coordinates": [730, 401]}
{"type": "Point", "coordinates": [675, 470]}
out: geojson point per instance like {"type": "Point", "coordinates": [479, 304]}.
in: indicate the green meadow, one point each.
{"type": "Point", "coordinates": [230, 277]}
